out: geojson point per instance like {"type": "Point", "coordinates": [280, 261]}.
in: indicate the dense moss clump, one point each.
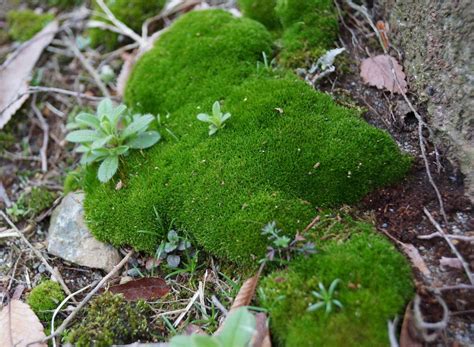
{"type": "Point", "coordinates": [44, 298]}
{"type": "Point", "coordinates": [24, 24]}
{"type": "Point", "coordinates": [262, 11]}
{"type": "Point", "coordinates": [285, 150]}
{"type": "Point", "coordinates": [310, 29]}
{"type": "Point", "coordinates": [131, 12]}
{"type": "Point", "coordinates": [109, 320]}
{"type": "Point", "coordinates": [375, 286]}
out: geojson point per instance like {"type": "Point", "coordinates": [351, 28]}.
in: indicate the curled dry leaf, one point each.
{"type": "Point", "coordinates": [408, 331]}
{"type": "Point", "coordinates": [19, 326]}
{"type": "Point", "coordinates": [150, 288]}
{"type": "Point", "coordinates": [377, 71]}
{"type": "Point", "coordinates": [246, 293]}
{"type": "Point", "coordinates": [15, 72]}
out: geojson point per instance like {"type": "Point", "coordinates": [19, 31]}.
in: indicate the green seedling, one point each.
{"type": "Point", "coordinates": [216, 120]}
{"type": "Point", "coordinates": [109, 134]}
{"type": "Point", "coordinates": [168, 249]}
{"type": "Point", "coordinates": [326, 297]}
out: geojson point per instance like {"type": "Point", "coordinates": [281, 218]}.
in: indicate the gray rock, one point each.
{"type": "Point", "coordinates": [70, 239]}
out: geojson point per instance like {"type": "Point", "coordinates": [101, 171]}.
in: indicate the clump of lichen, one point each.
{"type": "Point", "coordinates": [375, 286]}
{"type": "Point", "coordinates": [262, 11]}
{"type": "Point", "coordinates": [286, 149]}
{"type": "Point", "coordinates": [24, 24]}
{"type": "Point", "coordinates": [310, 29]}
{"type": "Point", "coordinates": [131, 12]}
{"type": "Point", "coordinates": [44, 298]}
{"type": "Point", "coordinates": [109, 320]}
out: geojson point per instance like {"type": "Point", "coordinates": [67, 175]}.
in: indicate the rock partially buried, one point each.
{"type": "Point", "coordinates": [70, 239]}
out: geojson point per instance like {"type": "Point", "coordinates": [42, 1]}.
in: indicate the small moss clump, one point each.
{"type": "Point", "coordinates": [111, 320]}
{"type": "Point", "coordinates": [44, 298]}
{"type": "Point", "coordinates": [24, 24]}
{"type": "Point", "coordinates": [286, 149]}
{"type": "Point", "coordinates": [262, 11]}
{"type": "Point", "coordinates": [375, 286]}
{"type": "Point", "coordinates": [310, 29]}
{"type": "Point", "coordinates": [131, 12]}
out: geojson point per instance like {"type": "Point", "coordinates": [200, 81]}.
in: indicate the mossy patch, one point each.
{"type": "Point", "coordinates": [31, 202]}
{"type": "Point", "coordinates": [262, 11]}
{"type": "Point", "coordinates": [131, 12]}
{"type": "Point", "coordinates": [44, 298]}
{"type": "Point", "coordinates": [285, 150]}
{"type": "Point", "coordinates": [310, 29]}
{"type": "Point", "coordinates": [375, 286]}
{"type": "Point", "coordinates": [24, 24]}
{"type": "Point", "coordinates": [109, 320]}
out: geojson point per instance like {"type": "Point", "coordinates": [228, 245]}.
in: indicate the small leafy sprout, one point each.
{"type": "Point", "coordinates": [216, 120]}
{"type": "Point", "coordinates": [282, 247]}
{"type": "Point", "coordinates": [326, 298]}
{"type": "Point", "coordinates": [168, 250]}
{"type": "Point", "coordinates": [109, 134]}
{"type": "Point", "coordinates": [267, 66]}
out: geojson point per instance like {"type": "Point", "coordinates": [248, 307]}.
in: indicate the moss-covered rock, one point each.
{"type": "Point", "coordinates": [285, 150]}
{"type": "Point", "coordinates": [44, 298]}
{"type": "Point", "coordinates": [24, 24]}
{"type": "Point", "coordinates": [109, 320]}
{"type": "Point", "coordinates": [131, 12]}
{"type": "Point", "coordinates": [310, 29]}
{"type": "Point", "coordinates": [375, 286]}
{"type": "Point", "coordinates": [262, 11]}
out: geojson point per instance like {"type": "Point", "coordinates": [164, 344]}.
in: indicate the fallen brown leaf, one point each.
{"type": "Point", "coordinates": [377, 71]}
{"type": "Point", "coordinates": [246, 293]}
{"type": "Point", "coordinates": [149, 288]}
{"type": "Point", "coordinates": [261, 337]}
{"type": "Point", "coordinates": [15, 72]}
{"type": "Point", "coordinates": [19, 326]}
{"type": "Point", "coordinates": [415, 257]}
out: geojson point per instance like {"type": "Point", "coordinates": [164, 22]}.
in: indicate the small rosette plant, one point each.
{"type": "Point", "coordinates": [216, 120]}
{"type": "Point", "coordinates": [109, 134]}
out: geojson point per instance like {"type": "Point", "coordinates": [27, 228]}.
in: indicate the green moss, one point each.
{"type": "Point", "coordinates": [74, 180]}
{"type": "Point", "coordinates": [131, 12]}
{"type": "Point", "coordinates": [23, 25]}
{"type": "Point", "coordinates": [44, 298]}
{"type": "Point", "coordinates": [262, 166]}
{"type": "Point", "coordinates": [375, 286]}
{"type": "Point", "coordinates": [310, 29]}
{"type": "Point", "coordinates": [63, 4]}
{"type": "Point", "coordinates": [111, 320]}
{"type": "Point", "coordinates": [31, 203]}
{"type": "Point", "coordinates": [262, 11]}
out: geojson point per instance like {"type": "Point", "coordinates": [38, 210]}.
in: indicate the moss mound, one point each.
{"type": "Point", "coordinates": [375, 286]}
{"type": "Point", "coordinates": [285, 150]}
{"type": "Point", "coordinates": [310, 29]}
{"type": "Point", "coordinates": [44, 298]}
{"type": "Point", "coordinates": [262, 11]}
{"type": "Point", "coordinates": [111, 320]}
{"type": "Point", "coordinates": [24, 24]}
{"type": "Point", "coordinates": [131, 12]}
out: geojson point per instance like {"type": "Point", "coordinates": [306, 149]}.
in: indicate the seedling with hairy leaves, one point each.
{"type": "Point", "coordinates": [109, 134]}
{"type": "Point", "coordinates": [326, 298]}
{"type": "Point", "coordinates": [168, 249]}
{"type": "Point", "coordinates": [216, 120]}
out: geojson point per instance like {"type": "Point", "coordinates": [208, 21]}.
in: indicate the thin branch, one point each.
{"type": "Point", "coordinates": [53, 272]}
{"type": "Point", "coordinates": [454, 237]}
{"type": "Point", "coordinates": [465, 265]}
{"type": "Point", "coordinates": [45, 128]}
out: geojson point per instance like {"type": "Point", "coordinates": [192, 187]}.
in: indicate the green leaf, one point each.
{"type": "Point", "coordinates": [216, 109]}
{"type": "Point", "coordinates": [138, 125]}
{"type": "Point", "coordinates": [82, 136]}
{"type": "Point", "coordinates": [88, 119]}
{"type": "Point", "coordinates": [101, 141]}
{"type": "Point", "coordinates": [238, 329]}
{"type": "Point", "coordinates": [315, 307]}
{"type": "Point", "coordinates": [144, 140]}
{"type": "Point", "coordinates": [114, 116]}
{"type": "Point", "coordinates": [107, 169]}
{"type": "Point", "coordinates": [120, 150]}
{"type": "Point", "coordinates": [204, 117]}
{"type": "Point", "coordinates": [104, 108]}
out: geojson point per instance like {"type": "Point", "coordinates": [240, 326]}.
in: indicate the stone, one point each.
{"type": "Point", "coordinates": [70, 239]}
